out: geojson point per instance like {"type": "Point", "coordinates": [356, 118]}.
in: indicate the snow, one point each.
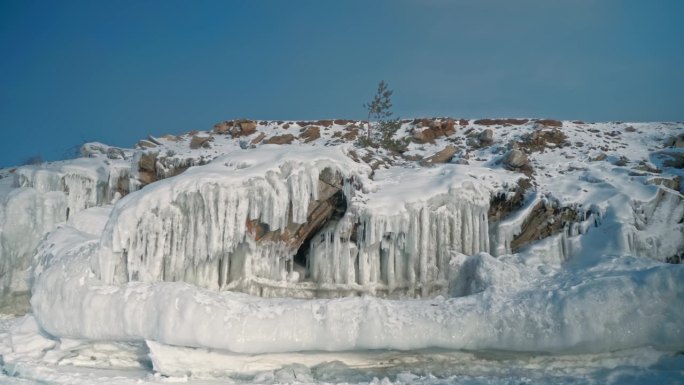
{"type": "Point", "coordinates": [617, 304]}
{"type": "Point", "coordinates": [191, 227]}
{"type": "Point", "coordinates": [123, 287]}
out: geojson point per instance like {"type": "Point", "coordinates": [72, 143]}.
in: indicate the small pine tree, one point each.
{"type": "Point", "coordinates": [380, 108]}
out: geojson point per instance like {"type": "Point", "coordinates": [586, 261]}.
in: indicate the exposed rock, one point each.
{"type": "Point", "coordinates": [343, 122]}
{"type": "Point", "coordinates": [146, 177]}
{"type": "Point", "coordinates": [442, 156]}
{"type": "Point", "coordinates": [502, 205]}
{"type": "Point", "coordinates": [148, 161]}
{"type": "Point", "coordinates": [541, 139]}
{"type": "Point", "coordinates": [280, 139]}
{"type": "Point", "coordinates": [486, 137]}
{"type": "Point", "coordinates": [311, 133]}
{"type": "Point", "coordinates": [463, 122]}
{"type": "Point", "coordinates": [323, 123]}
{"type": "Point", "coordinates": [201, 141]}
{"type": "Point", "coordinates": [549, 122]}
{"type": "Point", "coordinates": [501, 122]}
{"type": "Point", "coordinates": [243, 128]}
{"type": "Point", "coordinates": [286, 126]}
{"type": "Point", "coordinates": [171, 138]}
{"type": "Point", "coordinates": [621, 162]}
{"type": "Point", "coordinates": [674, 183]}
{"type": "Point", "coordinates": [674, 159]}
{"type": "Point", "coordinates": [676, 141]}
{"type": "Point", "coordinates": [426, 135]}
{"type": "Point", "coordinates": [543, 221]}
{"type": "Point", "coordinates": [258, 138]}
{"type": "Point", "coordinates": [515, 159]}
{"type": "Point", "coordinates": [330, 206]}
{"type": "Point", "coordinates": [351, 135]}
{"type": "Point", "coordinates": [436, 128]}
{"type": "Point", "coordinates": [599, 157]}
{"type": "Point", "coordinates": [146, 144]}
{"type": "Point", "coordinates": [223, 127]}
{"type": "Point", "coordinates": [630, 129]}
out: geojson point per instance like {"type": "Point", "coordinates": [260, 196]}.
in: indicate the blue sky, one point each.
{"type": "Point", "coordinates": [115, 71]}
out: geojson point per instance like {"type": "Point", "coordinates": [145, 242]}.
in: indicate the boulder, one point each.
{"type": "Point", "coordinates": [442, 156]}
{"type": "Point", "coordinates": [148, 161]}
{"type": "Point", "coordinates": [676, 141]}
{"type": "Point", "coordinates": [311, 133]}
{"type": "Point", "coordinates": [280, 139]}
{"type": "Point", "coordinates": [201, 142]}
{"type": "Point", "coordinates": [515, 159]}
{"type": "Point", "coordinates": [486, 137]}
{"type": "Point", "coordinates": [146, 144]}
{"type": "Point", "coordinates": [258, 138]}
{"type": "Point", "coordinates": [223, 127]}
{"type": "Point", "coordinates": [550, 122]}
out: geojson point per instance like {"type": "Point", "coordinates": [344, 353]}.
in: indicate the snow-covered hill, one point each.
{"type": "Point", "coordinates": [522, 235]}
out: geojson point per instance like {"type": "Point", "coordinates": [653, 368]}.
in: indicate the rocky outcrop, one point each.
{"type": "Point", "coordinates": [427, 130]}
{"type": "Point", "coordinates": [515, 159]}
{"type": "Point", "coordinates": [310, 134]}
{"type": "Point", "coordinates": [280, 139]}
{"type": "Point", "coordinates": [501, 122]}
{"type": "Point", "coordinates": [330, 206]}
{"type": "Point", "coordinates": [201, 142]}
{"type": "Point", "coordinates": [442, 156]}
{"type": "Point", "coordinates": [543, 221]}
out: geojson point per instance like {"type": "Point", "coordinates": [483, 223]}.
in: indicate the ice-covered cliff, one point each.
{"type": "Point", "coordinates": [284, 236]}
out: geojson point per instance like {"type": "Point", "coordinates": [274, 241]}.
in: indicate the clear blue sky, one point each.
{"type": "Point", "coordinates": [115, 71]}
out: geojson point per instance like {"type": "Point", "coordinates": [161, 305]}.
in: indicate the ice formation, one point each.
{"type": "Point", "coordinates": [193, 227]}
{"type": "Point", "coordinates": [406, 257]}
{"type": "Point", "coordinates": [615, 304]}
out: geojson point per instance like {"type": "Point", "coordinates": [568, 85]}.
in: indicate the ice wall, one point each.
{"type": "Point", "coordinates": [25, 216]}
{"type": "Point", "coordinates": [396, 240]}
{"type": "Point", "coordinates": [615, 304]}
{"type": "Point", "coordinates": [193, 227]}
{"type": "Point", "coordinates": [86, 182]}
{"type": "Point", "coordinates": [35, 199]}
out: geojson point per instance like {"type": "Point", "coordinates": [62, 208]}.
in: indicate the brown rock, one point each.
{"type": "Point", "coordinates": [448, 127]}
{"type": "Point", "coordinates": [550, 122]}
{"type": "Point", "coordinates": [223, 127]}
{"type": "Point", "coordinates": [324, 123]}
{"type": "Point", "coordinates": [258, 138]}
{"type": "Point", "coordinates": [343, 122]}
{"type": "Point", "coordinates": [201, 141]}
{"type": "Point", "coordinates": [351, 135]}
{"type": "Point", "coordinates": [426, 135]}
{"type": "Point", "coordinates": [146, 144]}
{"type": "Point", "coordinates": [247, 127]}
{"type": "Point", "coordinates": [148, 161]}
{"type": "Point", "coordinates": [286, 126]}
{"type": "Point", "coordinates": [442, 156]}
{"type": "Point", "coordinates": [311, 133]}
{"type": "Point", "coordinates": [599, 157]}
{"type": "Point", "coordinates": [501, 122]}
{"type": "Point", "coordinates": [146, 177]}
{"type": "Point", "coordinates": [463, 122]}
{"type": "Point", "coordinates": [280, 139]}
{"type": "Point", "coordinates": [171, 138]}
{"type": "Point", "coordinates": [674, 183]}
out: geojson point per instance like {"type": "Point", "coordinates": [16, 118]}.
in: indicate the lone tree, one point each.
{"type": "Point", "coordinates": [380, 107]}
